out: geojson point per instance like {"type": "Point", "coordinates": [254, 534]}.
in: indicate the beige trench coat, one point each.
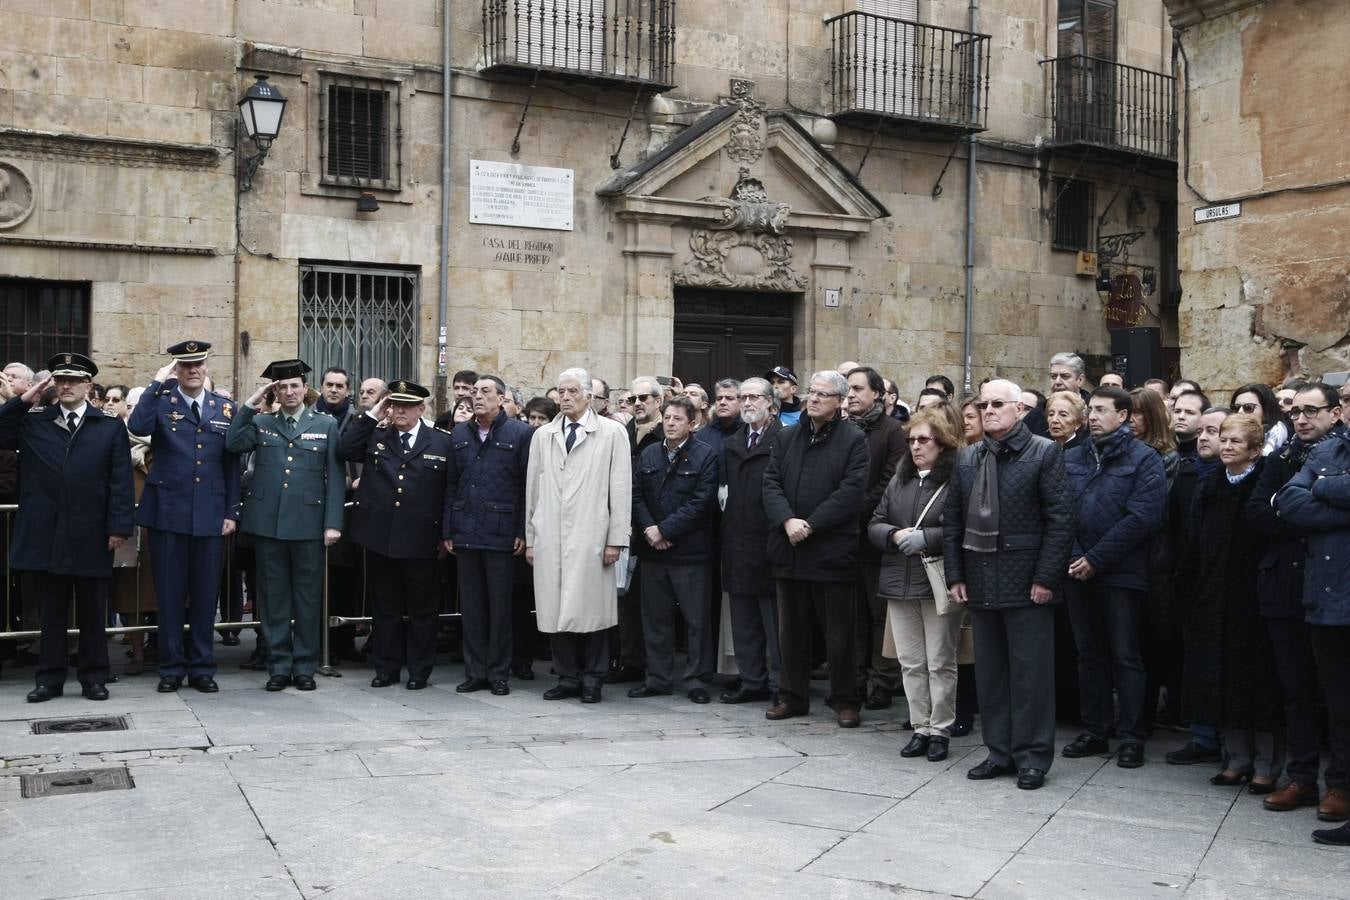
{"type": "Point", "coordinates": [575, 505]}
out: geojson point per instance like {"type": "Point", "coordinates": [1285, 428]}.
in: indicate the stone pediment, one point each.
{"type": "Point", "coordinates": [739, 170]}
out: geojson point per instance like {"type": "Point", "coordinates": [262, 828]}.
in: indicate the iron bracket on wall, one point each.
{"type": "Point", "coordinates": [515, 142]}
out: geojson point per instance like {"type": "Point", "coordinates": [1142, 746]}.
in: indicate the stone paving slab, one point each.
{"type": "Point", "coordinates": [914, 864]}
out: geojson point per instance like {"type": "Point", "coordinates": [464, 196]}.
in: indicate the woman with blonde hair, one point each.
{"type": "Point", "coordinates": [1065, 416]}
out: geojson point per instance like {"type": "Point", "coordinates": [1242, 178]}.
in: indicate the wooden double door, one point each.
{"type": "Point", "coordinates": [730, 334]}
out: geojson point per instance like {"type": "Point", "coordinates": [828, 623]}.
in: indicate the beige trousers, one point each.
{"type": "Point", "coordinates": [925, 644]}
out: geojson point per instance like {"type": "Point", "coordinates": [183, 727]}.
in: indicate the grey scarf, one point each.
{"type": "Point", "coordinates": [982, 508]}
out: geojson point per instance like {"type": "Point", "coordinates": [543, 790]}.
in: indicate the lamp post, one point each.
{"type": "Point", "coordinates": [260, 108]}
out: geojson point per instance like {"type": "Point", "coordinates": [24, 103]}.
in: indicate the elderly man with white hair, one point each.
{"type": "Point", "coordinates": [578, 514]}
{"type": "Point", "coordinates": [1007, 532]}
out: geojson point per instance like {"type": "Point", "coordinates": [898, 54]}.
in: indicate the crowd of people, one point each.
{"type": "Point", "coordinates": [1127, 559]}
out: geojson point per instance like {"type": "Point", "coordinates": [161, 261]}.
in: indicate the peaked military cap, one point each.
{"type": "Point", "coordinates": [402, 391]}
{"type": "Point", "coordinates": [781, 372]}
{"type": "Point", "coordinates": [286, 368]}
{"type": "Point", "coordinates": [72, 365]}
{"type": "Point", "coordinates": [190, 351]}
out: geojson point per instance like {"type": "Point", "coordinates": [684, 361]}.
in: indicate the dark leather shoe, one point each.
{"type": "Point", "coordinates": [643, 691]}
{"type": "Point", "coordinates": [303, 682]}
{"type": "Point", "coordinates": [1223, 779]}
{"type": "Point", "coordinates": [204, 683]}
{"type": "Point", "coordinates": [590, 693]}
{"type": "Point", "coordinates": [781, 710]}
{"type": "Point", "coordinates": [879, 698]}
{"type": "Point", "coordinates": [417, 684]}
{"type": "Point", "coordinates": [937, 749]}
{"type": "Point", "coordinates": [625, 675]}
{"type": "Point", "coordinates": [1030, 779]}
{"type": "Point", "coordinates": [169, 683]}
{"type": "Point", "coordinates": [917, 746]}
{"type": "Point", "coordinates": [745, 695]}
{"type": "Point", "coordinates": [699, 695]}
{"type": "Point", "coordinates": [229, 640]}
{"type": "Point", "coordinates": [42, 693]}
{"type": "Point", "coordinates": [257, 662]}
{"type": "Point", "coordinates": [472, 684]}
{"type": "Point", "coordinates": [277, 683]}
{"type": "Point", "coordinates": [990, 769]}
{"type": "Point", "coordinates": [1085, 745]}
{"type": "Point", "coordinates": [1335, 806]}
{"type": "Point", "coordinates": [848, 717]}
{"type": "Point", "coordinates": [562, 692]}
{"type": "Point", "coordinates": [500, 688]}
{"type": "Point", "coordinates": [1191, 754]}
{"type": "Point", "coordinates": [524, 673]}
{"type": "Point", "coordinates": [961, 729]}
{"type": "Point", "coordinates": [383, 680]}
{"type": "Point", "coordinates": [1130, 755]}
{"type": "Point", "coordinates": [95, 692]}
{"type": "Point", "coordinates": [1336, 837]}
{"type": "Point", "coordinates": [1261, 788]}
{"type": "Point", "coordinates": [1291, 797]}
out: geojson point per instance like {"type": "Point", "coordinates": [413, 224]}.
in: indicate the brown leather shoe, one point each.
{"type": "Point", "coordinates": [1335, 806]}
{"type": "Point", "coordinates": [848, 717]}
{"type": "Point", "coordinates": [1291, 797]}
{"type": "Point", "coordinates": [782, 711]}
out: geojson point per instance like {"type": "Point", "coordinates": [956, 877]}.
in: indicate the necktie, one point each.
{"type": "Point", "coordinates": [196, 411]}
{"type": "Point", "coordinates": [406, 438]}
{"type": "Point", "coordinates": [290, 422]}
{"type": "Point", "coordinates": [754, 439]}
{"type": "Point", "coordinates": [72, 420]}
{"type": "Point", "coordinates": [571, 435]}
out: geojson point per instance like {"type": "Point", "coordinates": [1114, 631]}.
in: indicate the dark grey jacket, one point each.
{"type": "Point", "coordinates": [1036, 521]}
{"type": "Point", "coordinates": [903, 577]}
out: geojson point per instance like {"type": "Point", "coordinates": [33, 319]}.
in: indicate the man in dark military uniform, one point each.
{"type": "Point", "coordinates": [293, 507]}
{"type": "Point", "coordinates": [75, 509]}
{"type": "Point", "coordinates": [190, 501]}
{"type": "Point", "coordinates": [400, 518]}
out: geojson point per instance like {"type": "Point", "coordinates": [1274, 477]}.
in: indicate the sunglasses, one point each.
{"type": "Point", "coordinates": [641, 398]}
{"type": "Point", "coordinates": [920, 439]}
{"type": "Point", "coordinates": [1308, 411]}
{"type": "Point", "coordinates": [982, 405]}
{"type": "Point", "coordinates": [1246, 407]}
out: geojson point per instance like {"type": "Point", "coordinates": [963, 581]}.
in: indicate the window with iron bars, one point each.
{"type": "Point", "coordinates": [1075, 208]}
{"type": "Point", "coordinates": [363, 320]}
{"type": "Point", "coordinates": [361, 123]}
{"type": "Point", "coordinates": [39, 319]}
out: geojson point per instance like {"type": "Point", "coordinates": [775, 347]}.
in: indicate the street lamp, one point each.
{"type": "Point", "coordinates": [260, 108]}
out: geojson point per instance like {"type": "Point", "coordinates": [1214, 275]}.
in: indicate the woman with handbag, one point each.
{"type": "Point", "coordinates": [907, 527]}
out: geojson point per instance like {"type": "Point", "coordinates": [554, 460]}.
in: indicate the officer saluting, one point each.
{"type": "Point", "coordinates": [190, 501]}
{"type": "Point", "coordinates": [400, 518]}
{"type": "Point", "coordinates": [293, 508]}
{"type": "Point", "coordinates": [75, 509]}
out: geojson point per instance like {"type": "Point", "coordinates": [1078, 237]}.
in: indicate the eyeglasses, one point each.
{"type": "Point", "coordinates": [982, 405]}
{"type": "Point", "coordinates": [1246, 407]}
{"type": "Point", "coordinates": [920, 439]}
{"type": "Point", "coordinates": [745, 398]}
{"type": "Point", "coordinates": [822, 395]}
{"type": "Point", "coordinates": [1308, 411]}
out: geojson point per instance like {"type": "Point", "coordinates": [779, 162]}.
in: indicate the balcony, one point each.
{"type": "Point", "coordinates": [898, 75]}
{"type": "Point", "coordinates": [616, 42]}
{"type": "Point", "coordinates": [1122, 110]}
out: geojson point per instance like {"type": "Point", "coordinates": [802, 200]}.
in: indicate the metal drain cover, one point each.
{"type": "Point", "coordinates": [80, 726]}
{"type": "Point", "coordinates": [75, 781]}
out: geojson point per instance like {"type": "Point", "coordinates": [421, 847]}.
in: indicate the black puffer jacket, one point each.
{"type": "Point", "coordinates": [903, 577]}
{"type": "Point", "coordinates": [820, 477]}
{"type": "Point", "coordinates": [885, 448]}
{"type": "Point", "coordinates": [1279, 574]}
{"type": "Point", "coordinates": [1036, 521]}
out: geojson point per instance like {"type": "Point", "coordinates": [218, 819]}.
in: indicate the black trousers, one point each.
{"type": "Point", "coordinates": [754, 635]}
{"type": "Point", "coordinates": [667, 587]}
{"type": "Point", "coordinates": [580, 658]}
{"type": "Point", "coordinates": [835, 605]}
{"type": "Point", "coordinates": [485, 611]}
{"type": "Point", "coordinates": [1331, 647]}
{"type": "Point", "coordinates": [1302, 701]}
{"type": "Point", "coordinates": [1106, 630]}
{"type": "Point", "coordinates": [524, 634]}
{"type": "Point", "coordinates": [399, 587]}
{"type": "Point", "coordinates": [53, 594]}
{"type": "Point", "coordinates": [1014, 655]}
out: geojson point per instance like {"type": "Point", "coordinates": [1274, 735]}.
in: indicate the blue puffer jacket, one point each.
{"type": "Point", "coordinates": [486, 480]}
{"type": "Point", "coordinates": [1120, 491]}
{"type": "Point", "coordinates": [1317, 501]}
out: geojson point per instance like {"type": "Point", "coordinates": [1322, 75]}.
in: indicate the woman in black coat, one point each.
{"type": "Point", "coordinates": [1230, 678]}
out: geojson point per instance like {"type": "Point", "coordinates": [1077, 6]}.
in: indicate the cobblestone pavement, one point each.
{"type": "Point", "coordinates": [352, 792]}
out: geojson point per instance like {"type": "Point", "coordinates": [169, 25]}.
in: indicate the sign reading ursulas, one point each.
{"type": "Point", "coordinates": [521, 196]}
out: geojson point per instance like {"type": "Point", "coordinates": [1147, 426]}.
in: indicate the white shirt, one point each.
{"type": "Point", "coordinates": [581, 427]}
{"type": "Point", "coordinates": [79, 412]}
{"type": "Point", "coordinates": [412, 433]}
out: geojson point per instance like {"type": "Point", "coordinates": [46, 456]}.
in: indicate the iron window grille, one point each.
{"type": "Point", "coordinates": [42, 318]}
{"type": "Point", "coordinates": [363, 320]}
{"type": "Point", "coordinates": [1074, 211]}
{"type": "Point", "coordinates": [361, 128]}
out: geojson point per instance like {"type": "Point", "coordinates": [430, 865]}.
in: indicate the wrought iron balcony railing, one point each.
{"type": "Point", "coordinates": [623, 41]}
{"type": "Point", "coordinates": [888, 68]}
{"type": "Point", "coordinates": [1113, 106]}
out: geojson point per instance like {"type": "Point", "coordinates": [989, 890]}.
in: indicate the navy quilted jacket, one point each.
{"type": "Point", "coordinates": [1120, 492]}
{"type": "Point", "coordinates": [678, 498]}
{"type": "Point", "coordinates": [1317, 501]}
{"type": "Point", "coordinates": [487, 481]}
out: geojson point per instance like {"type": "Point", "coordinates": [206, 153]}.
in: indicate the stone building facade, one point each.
{"type": "Point", "coordinates": [751, 181]}
{"type": "Point", "coordinates": [1267, 95]}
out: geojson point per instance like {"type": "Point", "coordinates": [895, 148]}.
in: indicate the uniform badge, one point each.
{"type": "Point", "coordinates": [379, 446]}
{"type": "Point", "coordinates": [173, 398]}
{"type": "Point", "coordinates": [175, 417]}
{"type": "Point", "coordinates": [226, 410]}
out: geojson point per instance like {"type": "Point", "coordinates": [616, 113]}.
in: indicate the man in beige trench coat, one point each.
{"type": "Point", "coordinates": [578, 512]}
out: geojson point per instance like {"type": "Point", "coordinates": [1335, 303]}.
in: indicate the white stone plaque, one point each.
{"type": "Point", "coordinates": [521, 196]}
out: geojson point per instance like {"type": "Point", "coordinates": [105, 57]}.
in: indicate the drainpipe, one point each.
{"type": "Point", "coordinates": [972, 184]}
{"type": "Point", "coordinates": [443, 264]}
